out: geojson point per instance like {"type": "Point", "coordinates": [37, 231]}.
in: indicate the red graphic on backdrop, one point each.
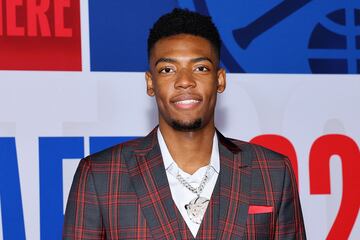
{"type": "Point", "coordinates": [321, 152]}
{"type": "Point", "coordinates": [319, 171]}
{"type": "Point", "coordinates": [40, 35]}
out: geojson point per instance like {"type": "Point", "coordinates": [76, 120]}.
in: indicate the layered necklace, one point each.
{"type": "Point", "coordinates": [196, 207]}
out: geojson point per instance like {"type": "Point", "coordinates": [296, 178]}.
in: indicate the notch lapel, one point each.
{"type": "Point", "coordinates": [235, 189]}
{"type": "Point", "coordinates": [148, 176]}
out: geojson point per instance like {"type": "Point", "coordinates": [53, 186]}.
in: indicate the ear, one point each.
{"type": "Point", "coordinates": [149, 84]}
{"type": "Point", "coordinates": [221, 80]}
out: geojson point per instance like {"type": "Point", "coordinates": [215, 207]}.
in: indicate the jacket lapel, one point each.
{"type": "Point", "coordinates": [235, 188]}
{"type": "Point", "coordinates": [147, 173]}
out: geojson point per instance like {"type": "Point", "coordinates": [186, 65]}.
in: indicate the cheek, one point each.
{"type": "Point", "coordinates": [162, 97]}
{"type": "Point", "coordinates": [210, 91]}
{"type": "Point", "coordinates": [163, 87]}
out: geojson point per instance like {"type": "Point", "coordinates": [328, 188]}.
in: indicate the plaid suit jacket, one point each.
{"type": "Point", "coordinates": [123, 193]}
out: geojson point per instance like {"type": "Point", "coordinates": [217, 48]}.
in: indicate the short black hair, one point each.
{"type": "Point", "coordinates": [181, 21]}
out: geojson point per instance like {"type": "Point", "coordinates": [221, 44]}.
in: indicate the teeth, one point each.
{"type": "Point", "coordinates": [190, 101]}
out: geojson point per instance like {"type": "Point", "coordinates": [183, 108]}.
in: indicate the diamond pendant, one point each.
{"type": "Point", "coordinates": [196, 209]}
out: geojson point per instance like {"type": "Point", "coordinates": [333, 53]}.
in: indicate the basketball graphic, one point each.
{"type": "Point", "coordinates": [334, 45]}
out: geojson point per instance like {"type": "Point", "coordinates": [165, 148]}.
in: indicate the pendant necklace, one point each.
{"type": "Point", "coordinates": [196, 207]}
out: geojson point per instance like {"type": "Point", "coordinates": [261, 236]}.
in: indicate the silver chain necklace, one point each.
{"type": "Point", "coordinates": [196, 207]}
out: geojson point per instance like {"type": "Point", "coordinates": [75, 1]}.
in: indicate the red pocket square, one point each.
{"type": "Point", "coordinates": [260, 209]}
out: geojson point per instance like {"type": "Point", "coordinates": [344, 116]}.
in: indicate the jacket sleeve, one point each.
{"type": "Point", "coordinates": [290, 224]}
{"type": "Point", "coordinates": [83, 219]}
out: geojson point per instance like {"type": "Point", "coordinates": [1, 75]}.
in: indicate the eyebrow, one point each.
{"type": "Point", "coordinates": [172, 60]}
{"type": "Point", "coordinates": [163, 59]}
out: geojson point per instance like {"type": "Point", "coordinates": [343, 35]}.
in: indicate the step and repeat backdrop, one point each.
{"type": "Point", "coordinates": [72, 83]}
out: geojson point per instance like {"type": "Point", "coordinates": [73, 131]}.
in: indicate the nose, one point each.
{"type": "Point", "coordinates": [185, 79]}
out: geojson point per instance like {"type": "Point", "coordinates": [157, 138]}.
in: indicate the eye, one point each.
{"type": "Point", "coordinates": [202, 69]}
{"type": "Point", "coordinates": [166, 70]}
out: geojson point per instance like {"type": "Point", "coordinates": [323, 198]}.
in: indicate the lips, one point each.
{"type": "Point", "coordinates": [186, 101]}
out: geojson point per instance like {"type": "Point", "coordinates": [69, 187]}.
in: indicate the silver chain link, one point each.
{"type": "Point", "coordinates": [201, 186]}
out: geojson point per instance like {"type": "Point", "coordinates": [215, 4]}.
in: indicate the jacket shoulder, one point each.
{"type": "Point", "coordinates": [125, 148]}
{"type": "Point", "coordinates": [258, 152]}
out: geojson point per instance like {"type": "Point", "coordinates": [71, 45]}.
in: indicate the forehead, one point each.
{"type": "Point", "coordinates": [183, 45]}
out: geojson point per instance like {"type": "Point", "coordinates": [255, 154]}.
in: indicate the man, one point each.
{"type": "Point", "coordinates": [184, 179]}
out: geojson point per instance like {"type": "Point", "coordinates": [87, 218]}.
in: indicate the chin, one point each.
{"type": "Point", "coordinates": [187, 126]}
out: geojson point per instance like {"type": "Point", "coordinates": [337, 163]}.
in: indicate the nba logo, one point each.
{"type": "Point", "coordinates": [40, 35]}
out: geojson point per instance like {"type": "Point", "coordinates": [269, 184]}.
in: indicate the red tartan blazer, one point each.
{"type": "Point", "coordinates": [123, 193]}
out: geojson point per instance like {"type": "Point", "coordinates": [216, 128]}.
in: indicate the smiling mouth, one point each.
{"type": "Point", "coordinates": [187, 102]}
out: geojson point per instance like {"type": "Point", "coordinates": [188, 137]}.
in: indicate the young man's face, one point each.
{"type": "Point", "coordinates": [185, 78]}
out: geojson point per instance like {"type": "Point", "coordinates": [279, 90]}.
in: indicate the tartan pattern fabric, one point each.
{"type": "Point", "coordinates": [123, 193]}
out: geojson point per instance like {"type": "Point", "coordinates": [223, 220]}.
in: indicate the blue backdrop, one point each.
{"type": "Point", "coordinates": [303, 36]}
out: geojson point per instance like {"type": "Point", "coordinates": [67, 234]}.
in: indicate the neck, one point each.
{"type": "Point", "coordinates": [190, 150]}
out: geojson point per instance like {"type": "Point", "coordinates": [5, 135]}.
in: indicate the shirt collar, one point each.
{"type": "Point", "coordinates": [169, 161]}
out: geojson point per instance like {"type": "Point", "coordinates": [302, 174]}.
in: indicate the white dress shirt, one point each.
{"type": "Point", "coordinates": [180, 194]}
